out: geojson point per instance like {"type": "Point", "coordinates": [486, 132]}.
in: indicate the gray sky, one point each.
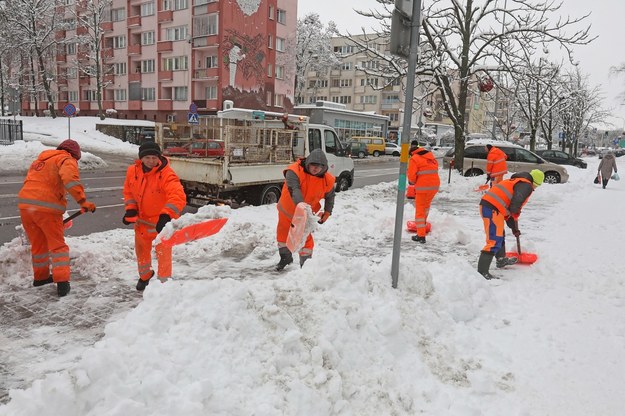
{"type": "Point", "coordinates": [595, 59]}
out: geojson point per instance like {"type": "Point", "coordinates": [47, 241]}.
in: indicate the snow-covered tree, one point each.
{"type": "Point", "coordinates": [460, 41]}
{"type": "Point", "coordinates": [314, 50]}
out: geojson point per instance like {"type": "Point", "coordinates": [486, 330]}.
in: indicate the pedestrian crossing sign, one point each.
{"type": "Point", "coordinates": [193, 118]}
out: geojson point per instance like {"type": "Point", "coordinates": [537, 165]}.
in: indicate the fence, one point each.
{"type": "Point", "coordinates": [10, 131]}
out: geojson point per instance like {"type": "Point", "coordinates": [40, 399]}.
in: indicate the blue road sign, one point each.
{"type": "Point", "coordinates": [193, 118]}
{"type": "Point", "coordinates": [193, 108]}
{"type": "Point", "coordinates": [69, 109]}
{"type": "Point", "coordinates": [561, 135]}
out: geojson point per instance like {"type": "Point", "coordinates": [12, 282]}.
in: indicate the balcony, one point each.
{"type": "Point", "coordinates": [106, 26]}
{"type": "Point", "coordinates": [106, 104]}
{"type": "Point", "coordinates": [107, 53]}
{"type": "Point", "coordinates": [165, 75]}
{"type": "Point", "coordinates": [61, 81]}
{"type": "Point", "coordinates": [134, 21]}
{"type": "Point", "coordinates": [134, 77]}
{"type": "Point", "coordinates": [134, 49]}
{"type": "Point", "coordinates": [165, 46]}
{"type": "Point", "coordinates": [165, 16]}
{"type": "Point", "coordinates": [84, 105]}
{"type": "Point", "coordinates": [61, 58]}
{"type": "Point", "coordinates": [134, 105]}
{"type": "Point", "coordinates": [205, 74]}
{"type": "Point", "coordinates": [84, 81]}
{"type": "Point", "coordinates": [165, 105]}
{"type": "Point", "coordinates": [109, 78]}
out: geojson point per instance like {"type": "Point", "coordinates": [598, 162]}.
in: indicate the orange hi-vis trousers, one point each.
{"type": "Point", "coordinates": [47, 244]}
{"type": "Point", "coordinates": [145, 233]}
{"type": "Point", "coordinates": [284, 225]}
{"type": "Point", "coordinates": [493, 228]}
{"type": "Point", "coordinates": [422, 202]}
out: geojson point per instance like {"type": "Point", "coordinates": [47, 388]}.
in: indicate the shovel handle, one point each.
{"type": "Point", "coordinates": [518, 244]}
{"type": "Point", "coordinates": [71, 217]}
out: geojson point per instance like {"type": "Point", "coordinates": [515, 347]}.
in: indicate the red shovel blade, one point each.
{"type": "Point", "coordinates": [412, 227]}
{"type": "Point", "coordinates": [67, 225]}
{"type": "Point", "coordinates": [481, 188]}
{"type": "Point", "coordinates": [194, 232]}
{"type": "Point", "coordinates": [523, 258]}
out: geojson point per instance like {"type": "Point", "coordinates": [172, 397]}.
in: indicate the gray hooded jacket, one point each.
{"type": "Point", "coordinates": [292, 180]}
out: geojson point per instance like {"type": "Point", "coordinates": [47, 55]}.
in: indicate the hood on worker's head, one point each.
{"type": "Point", "coordinates": [72, 147]}
{"type": "Point", "coordinates": [317, 157]}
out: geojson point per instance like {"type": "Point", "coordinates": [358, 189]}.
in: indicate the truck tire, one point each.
{"type": "Point", "coordinates": [342, 182]}
{"type": "Point", "coordinates": [269, 194]}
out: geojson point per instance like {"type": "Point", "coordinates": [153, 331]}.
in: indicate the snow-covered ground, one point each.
{"type": "Point", "coordinates": [229, 336]}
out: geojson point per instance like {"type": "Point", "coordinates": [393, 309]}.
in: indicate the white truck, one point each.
{"type": "Point", "coordinates": [239, 156]}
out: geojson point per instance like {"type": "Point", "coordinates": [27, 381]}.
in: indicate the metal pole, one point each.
{"type": "Point", "coordinates": [69, 135]}
{"type": "Point", "coordinates": [405, 138]}
{"type": "Point", "coordinates": [503, 24]}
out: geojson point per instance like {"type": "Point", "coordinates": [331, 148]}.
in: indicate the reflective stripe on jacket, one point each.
{"type": "Point", "coordinates": [423, 171]}
{"type": "Point", "coordinates": [54, 173]}
{"type": "Point", "coordinates": [496, 162]}
{"type": "Point", "coordinates": [153, 193]}
{"type": "Point", "coordinates": [500, 195]}
{"type": "Point", "coordinates": [314, 189]}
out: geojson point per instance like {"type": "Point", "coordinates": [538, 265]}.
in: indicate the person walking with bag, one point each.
{"type": "Point", "coordinates": [42, 202]}
{"type": "Point", "coordinates": [153, 195]}
{"type": "Point", "coordinates": [309, 181]}
{"type": "Point", "coordinates": [423, 176]}
{"type": "Point", "coordinates": [503, 203]}
{"type": "Point", "coordinates": [606, 166]}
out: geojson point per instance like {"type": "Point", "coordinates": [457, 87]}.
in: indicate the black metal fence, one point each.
{"type": "Point", "coordinates": [10, 131]}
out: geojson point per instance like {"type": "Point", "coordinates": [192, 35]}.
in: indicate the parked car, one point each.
{"type": "Point", "coordinates": [375, 145]}
{"type": "Point", "coordinates": [561, 158]}
{"type": "Point", "coordinates": [357, 150]}
{"type": "Point", "coordinates": [176, 149]}
{"type": "Point", "coordinates": [519, 160]}
{"type": "Point", "coordinates": [392, 149]}
{"type": "Point", "coordinates": [207, 148]}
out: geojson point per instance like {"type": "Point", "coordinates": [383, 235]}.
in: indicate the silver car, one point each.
{"type": "Point", "coordinates": [519, 160]}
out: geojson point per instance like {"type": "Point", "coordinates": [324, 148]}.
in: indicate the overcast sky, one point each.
{"type": "Point", "coordinates": [596, 59]}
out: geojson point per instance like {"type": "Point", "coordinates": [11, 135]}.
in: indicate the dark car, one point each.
{"type": "Point", "coordinates": [357, 149]}
{"type": "Point", "coordinates": [561, 158]}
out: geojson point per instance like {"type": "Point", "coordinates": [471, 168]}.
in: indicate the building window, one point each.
{"type": "Point", "coordinates": [69, 24]}
{"type": "Point", "coordinates": [269, 70]}
{"type": "Point", "coordinates": [279, 100]}
{"type": "Point", "coordinates": [148, 66]}
{"type": "Point", "coordinates": [148, 94]}
{"type": "Point", "coordinates": [176, 33]}
{"type": "Point", "coordinates": [148, 38]}
{"type": "Point", "coordinates": [281, 16]}
{"type": "Point", "coordinates": [346, 83]}
{"type": "Point", "coordinates": [119, 95]}
{"type": "Point", "coordinates": [212, 61]}
{"type": "Point", "coordinates": [393, 116]}
{"type": "Point", "coordinates": [390, 99]}
{"type": "Point", "coordinates": [178, 63]}
{"type": "Point", "coordinates": [120, 68]}
{"type": "Point", "coordinates": [119, 42]}
{"type": "Point", "coordinates": [271, 13]}
{"type": "Point", "coordinates": [72, 96]}
{"type": "Point", "coordinates": [368, 99]}
{"type": "Point", "coordinates": [72, 73]}
{"type": "Point", "coordinates": [270, 41]}
{"type": "Point", "coordinates": [180, 93]}
{"type": "Point", "coordinates": [343, 99]}
{"type": "Point", "coordinates": [318, 83]}
{"type": "Point", "coordinates": [90, 95]}
{"type": "Point", "coordinates": [205, 25]}
{"type": "Point", "coordinates": [268, 98]}
{"type": "Point", "coordinates": [280, 44]}
{"type": "Point", "coordinates": [147, 9]}
{"type": "Point", "coordinates": [117, 15]}
{"type": "Point", "coordinates": [344, 50]}
{"type": "Point", "coordinates": [211, 92]}
{"type": "Point", "coordinates": [71, 48]}
{"type": "Point", "coordinates": [175, 4]}
{"type": "Point", "coordinates": [279, 72]}
{"type": "Point", "coordinates": [346, 66]}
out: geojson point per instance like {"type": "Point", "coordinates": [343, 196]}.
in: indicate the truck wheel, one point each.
{"type": "Point", "coordinates": [342, 183]}
{"type": "Point", "coordinates": [270, 194]}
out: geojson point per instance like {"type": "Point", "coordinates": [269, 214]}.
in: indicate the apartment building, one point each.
{"type": "Point", "coordinates": [160, 56]}
{"type": "Point", "coordinates": [348, 84]}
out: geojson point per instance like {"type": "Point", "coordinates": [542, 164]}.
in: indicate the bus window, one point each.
{"type": "Point", "coordinates": [314, 139]}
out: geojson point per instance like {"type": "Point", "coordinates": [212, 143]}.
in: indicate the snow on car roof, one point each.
{"type": "Point", "coordinates": [491, 142]}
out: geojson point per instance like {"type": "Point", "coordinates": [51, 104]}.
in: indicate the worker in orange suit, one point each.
{"type": "Point", "coordinates": [496, 165]}
{"type": "Point", "coordinates": [423, 174]}
{"type": "Point", "coordinates": [42, 202]}
{"type": "Point", "coordinates": [309, 181]}
{"type": "Point", "coordinates": [153, 195]}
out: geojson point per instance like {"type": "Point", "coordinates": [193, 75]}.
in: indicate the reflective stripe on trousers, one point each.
{"type": "Point", "coordinates": [144, 236]}
{"type": "Point", "coordinates": [422, 203]}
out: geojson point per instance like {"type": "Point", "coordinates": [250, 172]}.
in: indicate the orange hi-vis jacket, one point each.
{"type": "Point", "coordinates": [54, 173]}
{"type": "Point", "coordinates": [496, 162]}
{"type": "Point", "coordinates": [153, 193]}
{"type": "Point", "coordinates": [314, 189]}
{"type": "Point", "coordinates": [500, 195]}
{"type": "Point", "coordinates": [423, 171]}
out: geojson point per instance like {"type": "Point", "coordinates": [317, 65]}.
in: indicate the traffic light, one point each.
{"type": "Point", "coordinates": [401, 28]}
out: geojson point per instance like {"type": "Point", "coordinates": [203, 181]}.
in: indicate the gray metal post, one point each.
{"type": "Point", "coordinates": [405, 138]}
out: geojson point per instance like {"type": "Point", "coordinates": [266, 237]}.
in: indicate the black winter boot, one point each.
{"type": "Point", "coordinates": [506, 261]}
{"type": "Point", "coordinates": [142, 284]}
{"type": "Point", "coordinates": [418, 239]}
{"type": "Point", "coordinates": [37, 283]}
{"type": "Point", "coordinates": [483, 264]}
{"type": "Point", "coordinates": [286, 258]}
{"type": "Point", "coordinates": [62, 288]}
{"type": "Point", "coordinates": [302, 260]}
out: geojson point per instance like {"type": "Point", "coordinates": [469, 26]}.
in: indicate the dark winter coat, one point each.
{"type": "Point", "coordinates": [608, 163]}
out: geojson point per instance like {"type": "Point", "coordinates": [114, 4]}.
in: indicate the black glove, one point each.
{"type": "Point", "coordinates": [163, 219]}
{"type": "Point", "coordinates": [488, 178]}
{"type": "Point", "coordinates": [130, 217]}
{"type": "Point", "coordinates": [512, 223]}
{"type": "Point", "coordinates": [516, 232]}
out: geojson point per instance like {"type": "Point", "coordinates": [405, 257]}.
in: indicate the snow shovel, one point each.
{"type": "Point", "coordinates": [482, 187]}
{"type": "Point", "coordinates": [523, 258]}
{"type": "Point", "coordinates": [303, 223]}
{"type": "Point", "coordinates": [67, 222]}
{"type": "Point", "coordinates": [412, 227]}
{"type": "Point", "coordinates": [194, 232]}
